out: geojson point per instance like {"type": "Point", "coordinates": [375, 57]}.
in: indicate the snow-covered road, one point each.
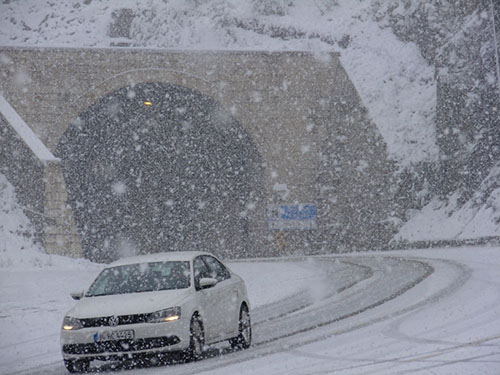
{"type": "Point", "coordinates": [421, 311]}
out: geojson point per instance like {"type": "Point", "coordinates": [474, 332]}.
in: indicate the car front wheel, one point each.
{"type": "Point", "coordinates": [196, 339]}
{"type": "Point", "coordinates": [244, 338]}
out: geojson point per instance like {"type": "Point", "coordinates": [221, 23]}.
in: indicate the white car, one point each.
{"type": "Point", "coordinates": [153, 305]}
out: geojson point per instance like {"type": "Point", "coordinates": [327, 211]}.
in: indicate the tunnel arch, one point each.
{"type": "Point", "coordinates": [180, 173]}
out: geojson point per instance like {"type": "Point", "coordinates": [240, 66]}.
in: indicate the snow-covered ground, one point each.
{"type": "Point", "coordinates": [16, 232]}
{"type": "Point", "coordinates": [449, 323]}
{"type": "Point", "coordinates": [34, 297]}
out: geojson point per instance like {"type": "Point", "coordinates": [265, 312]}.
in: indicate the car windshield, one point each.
{"type": "Point", "coordinates": [141, 277]}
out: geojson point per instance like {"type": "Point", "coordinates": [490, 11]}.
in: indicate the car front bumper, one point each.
{"type": "Point", "coordinates": [148, 338]}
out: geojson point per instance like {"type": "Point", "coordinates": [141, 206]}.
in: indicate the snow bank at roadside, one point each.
{"type": "Point", "coordinates": [271, 281]}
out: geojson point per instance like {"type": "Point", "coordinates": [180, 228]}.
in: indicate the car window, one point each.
{"type": "Point", "coordinates": [217, 269]}
{"type": "Point", "coordinates": [200, 271]}
{"type": "Point", "coordinates": [141, 277]}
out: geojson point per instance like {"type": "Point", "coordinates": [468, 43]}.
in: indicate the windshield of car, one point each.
{"type": "Point", "coordinates": [141, 277]}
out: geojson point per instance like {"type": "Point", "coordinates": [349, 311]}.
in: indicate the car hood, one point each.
{"type": "Point", "coordinates": [127, 304]}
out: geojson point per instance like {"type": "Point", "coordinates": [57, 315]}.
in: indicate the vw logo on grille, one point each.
{"type": "Point", "coordinates": [113, 321]}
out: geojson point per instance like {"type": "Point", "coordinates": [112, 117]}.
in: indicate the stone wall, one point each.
{"type": "Point", "coordinates": [61, 236]}
{"type": "Point", "coordinates": [41, 193]}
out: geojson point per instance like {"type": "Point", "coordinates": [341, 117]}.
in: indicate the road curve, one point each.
{"type": "Point", "coordinates": [349, 287]}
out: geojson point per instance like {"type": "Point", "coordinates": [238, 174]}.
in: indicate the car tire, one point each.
{"type": "Point", "coordinates": [196, 339]}
{"type": "Point", "coordinates": [77, 365]}
{"type": "Point", "coordinates": [244, 338]}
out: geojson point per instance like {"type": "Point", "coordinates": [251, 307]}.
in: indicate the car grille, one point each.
{"type": "Point", "coordinates": [120, 345]}
{"type": "Point", "coordinates": [122, 319]}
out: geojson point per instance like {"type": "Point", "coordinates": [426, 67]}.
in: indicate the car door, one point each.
{"type": "Point", "coordinates": [226, 294]}
{"type": "Point", "coordinates": [207, 301]}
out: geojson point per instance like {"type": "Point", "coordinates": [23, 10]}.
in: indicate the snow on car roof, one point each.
{"type": "Point", "coordinates": [159, 257]}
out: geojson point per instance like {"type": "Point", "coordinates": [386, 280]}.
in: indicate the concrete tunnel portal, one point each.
{"type": "Point", "coordinates": [199, 167]}
{"type": "Point", "coordinates": [154, 167]}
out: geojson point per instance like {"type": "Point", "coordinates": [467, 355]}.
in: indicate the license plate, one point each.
{"type": "Point", "coordinates": [126, 334]}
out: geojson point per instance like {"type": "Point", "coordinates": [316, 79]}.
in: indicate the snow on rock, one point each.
{"type": "Point", "coordinates": [397, 86]}
{"type": "Point", "coordinates": [440, 220]}
{"type": "Point", "coordinates": [16, 232]}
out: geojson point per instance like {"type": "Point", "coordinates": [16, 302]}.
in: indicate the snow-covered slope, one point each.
{"type": "Point", "coordinates": [479, 217]}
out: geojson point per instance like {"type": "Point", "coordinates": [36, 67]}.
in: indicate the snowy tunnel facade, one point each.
{"type": "Point", "coordinates": [189, 150]}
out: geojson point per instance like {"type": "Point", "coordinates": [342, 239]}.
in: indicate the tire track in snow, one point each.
{"type": "Point", "coordinates": [359, 291]}
{"type": "Point", "coordinates": [463, 274]}
{"type": "Point", "coordinates": [288, 343]}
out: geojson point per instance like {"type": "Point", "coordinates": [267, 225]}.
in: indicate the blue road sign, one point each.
{"type": "Point", "coordinates": [292, 216]}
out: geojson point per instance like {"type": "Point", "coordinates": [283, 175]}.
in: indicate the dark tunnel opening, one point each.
{"type": "Point", "coordinates": [157, 167]}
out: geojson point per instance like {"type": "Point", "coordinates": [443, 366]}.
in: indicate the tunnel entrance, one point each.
{"type": "Point", "coordinates": [158, 167]}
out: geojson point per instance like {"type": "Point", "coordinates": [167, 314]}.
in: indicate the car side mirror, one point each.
{"type": "Point", "coordinates": [207, 282]}
{"type": "Point", "coordinates": [77, 295]}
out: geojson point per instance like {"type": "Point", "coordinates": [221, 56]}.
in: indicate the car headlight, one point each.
{"type": "Point", "coordinates": [70, 323]}
{"type": "Point", "coordinates": [168, 315]}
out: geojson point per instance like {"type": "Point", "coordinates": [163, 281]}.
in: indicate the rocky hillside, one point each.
{"type": "Point", "coordinates": [459, 38]}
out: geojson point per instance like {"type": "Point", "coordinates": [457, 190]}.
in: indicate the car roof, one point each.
{"type": "Point", "coordinates": [159, 257]}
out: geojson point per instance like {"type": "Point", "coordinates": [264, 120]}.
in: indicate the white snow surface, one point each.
{"type": "Point", "coordinates": [37, 290]}
{"type": "Point", "coordinates": [454, 328]}
{"type": "Point", "coordinates": [16, 232]}
{"type": "Point", "coordinates": [453, 332]}
{"type": "Point", "coordinates": [393, 80]}
{"type": "Point", "coordinates": [440, 220]}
